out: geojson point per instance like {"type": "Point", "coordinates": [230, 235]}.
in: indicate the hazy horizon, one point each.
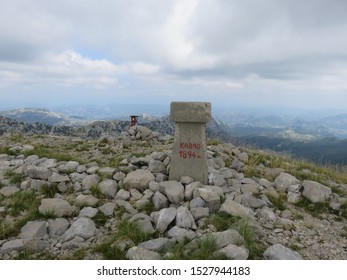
{"type": "Point", "coordinates": [268, 54]}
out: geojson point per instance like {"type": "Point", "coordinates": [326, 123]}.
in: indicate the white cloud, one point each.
{"type": "Point", "coordinates": [210, 47]}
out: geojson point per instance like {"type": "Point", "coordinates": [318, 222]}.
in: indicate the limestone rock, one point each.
{"type": "Point", "coordinates": [36, 172]}
{"type": "Point", "coordinates": [184, 218]}
{"type": "Point", "coordinates": [233, 252]}
{"type": "Point", "coordinates": [284, 181]}
{"type": "Point", "coordinates": [9, 190]}
{"type": "Point", "coordinates": [107, 171]}
{"type": "Point", "coordinates": [86, 200]}
{"type": "Point", "coordinates": [181, 234]}
{"type": "Point", "coordinates": [56, 206]}
{"type": "Point", "coordinates": [235, 209]}
{"type": "Point", "coordinates": [88, 212]}
{"type": "Point", "coordinates": [160, 201]}
{"type": "Point", "coordinates": [224, 238]}
{"type": "Point", "coordinates": [138, 179]}
{"type": "Point", "coordinates": [211, 195]}
{"type": "Point", "coordinates": [108, 188]}
{"type": "Point", "coordinates": [82, 227]}
{"type": "Point", "coordinates": [57, 178]}
{"type": "Point", "coordinates": [107, 209]}
{"type": "Point", "coordinates": [156, 166]}
{"type": "Point", "coordinates": [166, 216]}
{"type": "Point", "coordinates": [58, 226]}
{"type": "Point", "coordinates": [279, 252]}
{"type": "Point", "coordinates": [12, 245]}
{"type": "Point", "coordinates": [315, 192]}
{"type": "Point", "coordinates": [33, 229]}
{"type": "Point", "coordinates": [157, 245]}
{"type": "Point", "coordinates": [138, 253]}
{"type": "Point", "coordinates": [90, 181]}
{"type": "Point", "coordinates": [173, 190]}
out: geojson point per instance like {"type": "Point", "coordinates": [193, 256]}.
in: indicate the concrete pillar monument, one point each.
{"type": "Point", "coordinates": [189, 153]}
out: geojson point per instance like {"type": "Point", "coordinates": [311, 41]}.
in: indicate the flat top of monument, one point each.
{"type": "Point", "coordinates": [190, 111]}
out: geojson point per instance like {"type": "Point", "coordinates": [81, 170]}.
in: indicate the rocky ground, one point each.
{"type": "Point", "coordinates": [72, 198]}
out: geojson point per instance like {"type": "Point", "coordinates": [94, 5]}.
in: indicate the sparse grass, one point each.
{"type": "Point", "coordinates": [250, 235]}
{"type": "Point", "coordinates": [49, 190]}
{"type": "Point", "coordinates": [315, 209]}
{"type": "Point", "coordinates": [203, 249]}
{"type": "Point", "coordinates": [124, 230]}
{"type": "Point", "coordinates": [100, 219]}
{"type": "Point", "coordinates": [22, 201]}
{"type": "Point", "coordinates": [338, 191]}
{"type": "Point", "coordinates": [6, 150]}
{"type": "Point", "coordinates": [278, 202]}
{"type": "Point", "coordinates": [52, 152]}
{"type": "Point", "coordinates": [148, 208]}
{"type": "Point", "coordinates": [206, 250]}
{"type": "Point", "coordinates": [343, 210]}
{"type": "Point", "coordinates": [15, 178]}
{"type": "Point", "coordinates": [115, 161]}
{"type": "Point", "coordinates": [344, 232]}
{"type": "Point", "coordinates": [222, 222]}
{"type": "Point", "coordinates": [213, 142]}
{"type": "Point", "coordinates": [95, 191]}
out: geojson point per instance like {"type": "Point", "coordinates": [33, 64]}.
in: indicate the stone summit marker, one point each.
{"type": "Point", "coordinates": [189, 153]}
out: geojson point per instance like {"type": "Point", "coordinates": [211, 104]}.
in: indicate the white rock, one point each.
{"type": "Point", "coordinates": [82, 227]}
{"type": "Point", "coordinates": [166, 216]}
{"type": "Point", "coordinates": [279, 252]}
{"type": "Point", "coordinates": [315, 192]}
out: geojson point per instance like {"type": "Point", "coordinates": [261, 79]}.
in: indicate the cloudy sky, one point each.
{"type": "Point", "coordinates": [230, 52]}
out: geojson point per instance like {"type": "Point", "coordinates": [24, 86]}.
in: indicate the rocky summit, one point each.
{"type": "Point", "coordinates": [70, 197]}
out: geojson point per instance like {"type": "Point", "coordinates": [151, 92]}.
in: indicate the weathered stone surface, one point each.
{"type": "Point", "coordinates": [184, 218]}
{"type": "Point", "coordinates": [157, 245]}
{"type": "Point", "coordinates": [57, 178]}
{"type": "Point", "coordinates": [173, 190]}
{"type": "Point", "coordinates": [284, 181]}
{"type": "Point", "coordinates": [156, 166]}
{"type": "Point", "coordinates": [36, 172]}
{"type": "Point", "coordinates": [90, 181]}
{"type": "Point", "coordinates": [107, 171]}
{"type": "Point", "coordinates": [235, 209]}
{"type": "Point", "coordinates": [315, 192]}
{"type": "Point", "coordinates": [12, 245]}
{"type": "Point", "coordinates": [82, 227]}
{"type": "Point", "coordinates": [56, 206]}
{"type": "Point", "coordinates": [58, 226]}
{"type": "Point", "coordinates": [86, 200]}
{"type": "Point", "coordinates": [108, 188]}
{"type": "Point", "coordinates": [189, 189]}
{"type": "Point", "coordinates": [9, 190]}
{"type": "Point", "coordinates": [126, 205]}
{"type": "Point", "coordinates": [279, 252]}
{"type": "Point", "coordinates": [233, 252]}
{"type": "Point", "coordinates": [212, 195]}
{"type": "Point", "coordinates": [195, 112]}
{"type": "Point", "coordinates": [122, 194]}
{"type": "Point", "coordinates": [166, 216]}
{"type": "Point", "coordinates": [181, 234]}
{"type": "Point", "coordinates": [138, 253]}
{"type": "Point", "coordinates": [160, 201]}
{"type": "Point", "coordinates": [224, 238]}
{"type": "Point", "coordinates": [107, 209]}
{"type": "Point", "coordinates": [189, 154]}
{"type": "Point", "coordinates": [88, 212]}
{"type": "Point", "coordinates": [33, 229]}
{"type": "Point", "coordinates": [138, 179]}
{"type": "Point", "coordinates": [200, 212]}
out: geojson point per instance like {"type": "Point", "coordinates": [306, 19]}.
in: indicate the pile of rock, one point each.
{"type": "Point", "coordinates": [180, 208]}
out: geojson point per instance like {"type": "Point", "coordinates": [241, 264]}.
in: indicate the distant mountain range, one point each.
{"type": "Point", "coordinates": [321, 139]}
